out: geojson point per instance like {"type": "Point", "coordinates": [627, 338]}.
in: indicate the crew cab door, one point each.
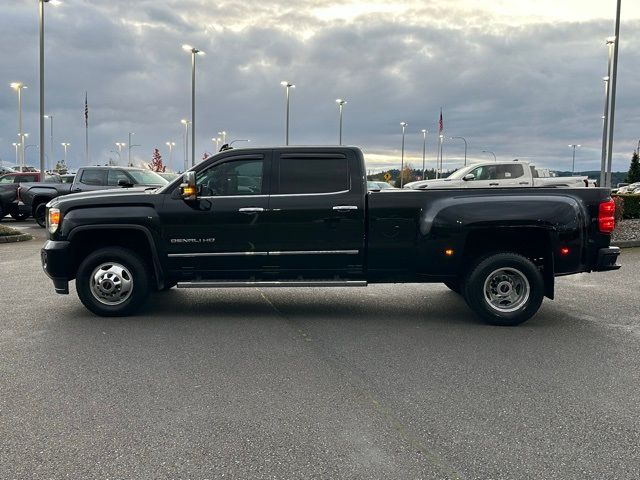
{"type": "Point", "coordinates": [514, 175]}
{"type": "Point", "coordinates": [222, 234]}
{"type": "Point", "coordinates": [316, 214]}
{"type": "Point", "coordinates": [485, 176]}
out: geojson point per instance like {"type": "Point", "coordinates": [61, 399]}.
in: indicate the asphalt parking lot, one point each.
{"type": "Point", "coordinates": [389, 382]}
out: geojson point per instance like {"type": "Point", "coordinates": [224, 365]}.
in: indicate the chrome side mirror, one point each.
{"type": "Point", "coordinates": [188, 188]}
{"type": "Point", "coordinates": [469, 176]}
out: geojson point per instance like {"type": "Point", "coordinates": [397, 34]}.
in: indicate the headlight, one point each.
{"type": "Point", "coordinates": [53, 220]}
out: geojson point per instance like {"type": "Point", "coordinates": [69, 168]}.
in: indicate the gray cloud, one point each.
{"type": "Point", "coordinates": [522, 90]}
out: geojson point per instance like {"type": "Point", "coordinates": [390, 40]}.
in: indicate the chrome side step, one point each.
{"type": "Point", "coordinates": [265, 284]}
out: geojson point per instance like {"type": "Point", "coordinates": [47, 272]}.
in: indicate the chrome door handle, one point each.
{"type": "Point", "coordinates": [251, 210]}
{"type": "Point", "coordinates": [345, 208]}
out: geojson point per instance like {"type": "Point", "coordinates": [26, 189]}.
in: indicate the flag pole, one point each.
{"type": "Point", "coordinates": [86, 128]}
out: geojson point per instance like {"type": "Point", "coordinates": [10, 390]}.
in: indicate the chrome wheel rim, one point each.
{"type": "Point", "coordinates": [111, 283]}
{"type": "Point", "coordinates": [506, 290]}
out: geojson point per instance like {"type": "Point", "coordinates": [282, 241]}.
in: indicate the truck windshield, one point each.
{"type": "Point", "coordinates": [461, 173]}
{"type": "Point", "coordinates": [144, 177]}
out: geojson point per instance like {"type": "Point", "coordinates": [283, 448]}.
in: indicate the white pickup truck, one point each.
{"type": "Point", "coordinates": [499, 174]}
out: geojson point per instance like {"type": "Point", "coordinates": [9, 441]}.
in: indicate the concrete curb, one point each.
{"type": "Point", "coordinates": [23, 237]}
{"type": "Point", "coordinates": [626, 243]}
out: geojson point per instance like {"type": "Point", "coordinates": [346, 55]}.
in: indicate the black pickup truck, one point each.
{"type": "Point", "coordinates": [302, 217]}
{"type": "Point", "coordinates": [32, 197]}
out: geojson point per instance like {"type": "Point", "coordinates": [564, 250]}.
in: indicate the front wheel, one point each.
{"type": "Point", "coordinates": [113, 282]}
{"type": "Point", "coordinates": [504, 289]}
{"type": "Point", "coordinates": [39, 214]}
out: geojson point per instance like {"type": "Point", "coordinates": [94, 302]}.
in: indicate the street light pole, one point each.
{"type": "Point", "coordinates": [495, 159]}
{"type": "Point", "coordinates": [424, 152]}
{"type": "Point", "coordinates": [404, 126]}
{"type": "Point", "coordinates": [50, 117]}
{"type": "Point", "coordinates": [129, 158]}
{"type": "Point", "coordinates": [340, 103]}
{"type": "Point", "coordinates": [194, 51]}
{"type": "Point", "coordinates": [573, 163]}
{"type": "Point", "coordinates": [66, 146]}
{"type": "Point", "coordinates": [19, 86]}
{"type": "Point", "coordinates": [287, 86]}
{"type": "Point", "coordinates": [238, 140]}
{"type": "Point", "coordinates": [186, 123]}
{"type": "Point", "coordinates": [614, 81]}
{"type": "Point", "coordinates": [171, 145]}
{"type": "Point", "coordinates": [17, 145]}
{"type": "Point", "coordinates": [465, 148]}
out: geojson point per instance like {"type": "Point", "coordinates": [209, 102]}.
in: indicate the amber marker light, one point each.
{"type": "Point", "coordinates": [449, 252]}
{"type": "Point", "coordinates": [54, 220]}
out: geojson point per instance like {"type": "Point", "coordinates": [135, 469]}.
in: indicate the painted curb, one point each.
{"type": "Point", "coordinates": [626, 243]}
{"type": "Point", "coordinates": [23, 237]}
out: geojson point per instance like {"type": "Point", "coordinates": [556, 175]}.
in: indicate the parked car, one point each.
{"type": "Point", "coordinates": [499, 174]}
{"type": "Point", "coordinates": [377, 185]}
{"type": "Point", "coordinates": [26, 168]}
{"type": "Point", "coordinates": [32, 197]}
{"type": "Point", "coordinates": [9, 183]}
{"type": "Point", "coordinates": [309, 221]}
{"type": "Point", "coordinates": [629, 188]}
{"type": "Point", "coordinates": [169, 176]}
{"type": "Point", "coordinates": [4, 170]}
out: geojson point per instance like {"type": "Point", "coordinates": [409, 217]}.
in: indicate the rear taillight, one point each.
{"type": "Point", "coordinates": [606, 217]}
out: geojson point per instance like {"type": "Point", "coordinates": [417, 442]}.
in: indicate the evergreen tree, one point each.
{"type": "Point", "coordinates": [634, 169]}
{"type": "Point", "coordinates": [156, 164]}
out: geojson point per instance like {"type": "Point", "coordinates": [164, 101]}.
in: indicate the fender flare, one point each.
{"type": "Point", "coordinates": [155, 259]}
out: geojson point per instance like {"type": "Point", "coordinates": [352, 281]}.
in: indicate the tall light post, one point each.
{"type": "Point", "coordinates": [573, 163]}
{"type": "Point", "coordinates": [424, 152]}
{"type": "Point", "coordinates": [404, 126]}
{"type": "Point", "coordinates": [41, 30]}
{"type": "Point", "coordinates": [224, 137]}
{"type": "Point", "coordinates": [170, 145]}
{"type": "Point", "coordinates": [495, 159]}
{"type": "Point", "coordinates": [216, 140]}
{"type": "Point", "coordinates": [131, 145]}
{"type": "Point", "coordinates": [119, 146]}
{"type": "Point", "coordinates": [239, 140]}
{"type": "Point", "coordinates": [194, 51]}
{"type": "Point", "coordinates": [614, 80]}
{"type": "Point", "coordinates": [65, 146]}
{"type": "Point", "coordinates": [17, 146]}
{"type": "Point", "coordinates": [287, 85]}
{"type": "Point", "coordinates": [465, 147]}
{"type": "Point", "coordinates": [18, 87]}
{"type": "Point", "coordinates": [186, 124]}
{"type": "Point", "coordinates": [340, 103]}
{"type": "Point", "coordinates": [50, 117]}
{"type": "Point", "coordinates": [605, 127]}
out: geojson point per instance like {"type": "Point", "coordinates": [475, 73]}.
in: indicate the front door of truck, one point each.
{"type": "Point", "coordinates": [222, 234]}
{"type": "Point", "coordinates": [316, 214]}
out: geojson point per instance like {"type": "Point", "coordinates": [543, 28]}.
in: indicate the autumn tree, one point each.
{"type": "Point", "coordinates": [156, 164]}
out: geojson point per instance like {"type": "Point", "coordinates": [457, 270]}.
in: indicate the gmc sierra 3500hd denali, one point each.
{"type": "Point", "coordinates": [302, 216]}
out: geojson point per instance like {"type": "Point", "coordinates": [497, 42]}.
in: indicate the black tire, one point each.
{"type": "Point", "coordinates": [454, 286]}
{"type": "Point", "coordinates": [514, 289]}
{"type": "Point", "coordinates": [39, 214]}
{"type": "Point", "coordinates": [107, 288]}
{"type": "Point", "coordinates": [19, 217]}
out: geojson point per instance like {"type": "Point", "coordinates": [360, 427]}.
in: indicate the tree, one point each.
{"type": "Point", "coordinates": [407, 176]}
{"type": "Point", "coordinates": [634, 169]}
{"type": "Point", "coordinates": [156, 164]}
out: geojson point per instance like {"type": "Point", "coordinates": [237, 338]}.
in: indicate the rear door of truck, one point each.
{"type": "Point", "coordinates": [316, 213]}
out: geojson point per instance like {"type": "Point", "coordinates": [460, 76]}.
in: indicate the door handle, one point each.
{"type": "Point", "coordinates": [494, 184]}
{"type": "Point", "coordinates": [345, 208]}
{"type": "Point", "coordinates": [524, 183]}
{"type": "Point", "coordinates": [251, 210]}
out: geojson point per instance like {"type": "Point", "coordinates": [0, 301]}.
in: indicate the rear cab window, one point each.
{"type": "Point", "coordinates": [94, 176]}
{"type": "Point", "coordinates": [301, 174]}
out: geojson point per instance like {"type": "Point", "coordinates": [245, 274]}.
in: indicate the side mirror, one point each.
{"type": "Point", "coordinates": [188, 189]}
{"type": "Point", "coordinates": [124, 183]}
{"type": "Point", "coordinates": [469, 176]}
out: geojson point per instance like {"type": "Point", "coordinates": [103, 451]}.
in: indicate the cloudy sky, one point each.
{"type": "Point", "coordinates": [522, 78]}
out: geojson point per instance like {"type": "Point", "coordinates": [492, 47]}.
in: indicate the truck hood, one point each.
{"type": "Point", "coordinates": [439, 183]}
{"type": "Point", "coordinates": [110, 196]}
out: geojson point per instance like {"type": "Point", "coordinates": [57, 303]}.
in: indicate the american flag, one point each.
{"type": "Point", "coordinates": [441, 122]}
{"type": "Point", "coordinates": [86, 111]}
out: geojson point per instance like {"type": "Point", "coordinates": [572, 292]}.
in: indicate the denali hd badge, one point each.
{"type": "Point", "coordinates": [193, 240]}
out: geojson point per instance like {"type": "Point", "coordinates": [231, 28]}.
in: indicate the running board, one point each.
{"type": "Point", "coordinates": [265, 284]}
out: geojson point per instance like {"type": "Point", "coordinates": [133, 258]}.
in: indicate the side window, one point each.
{"type": "Point", "coordinates": [313, 175]}
{"type": "Point", "coordinates": [26, 178]}
{"type": "Point", "coordinates": [486, 172]}
{"type": "Point", "coordinates": [510, 171]}
{"type": "Point", "coordinates": [236, 177]}
{"type": "Point", "coordinates": [115, 175]}
{"type": "Point", "coordinates": [94, 177]}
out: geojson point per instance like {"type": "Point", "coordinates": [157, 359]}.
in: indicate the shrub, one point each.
{"type": "Point", "coordinates": [619, 214]}
{"type": "Point", "coordinates": [631, 205]}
